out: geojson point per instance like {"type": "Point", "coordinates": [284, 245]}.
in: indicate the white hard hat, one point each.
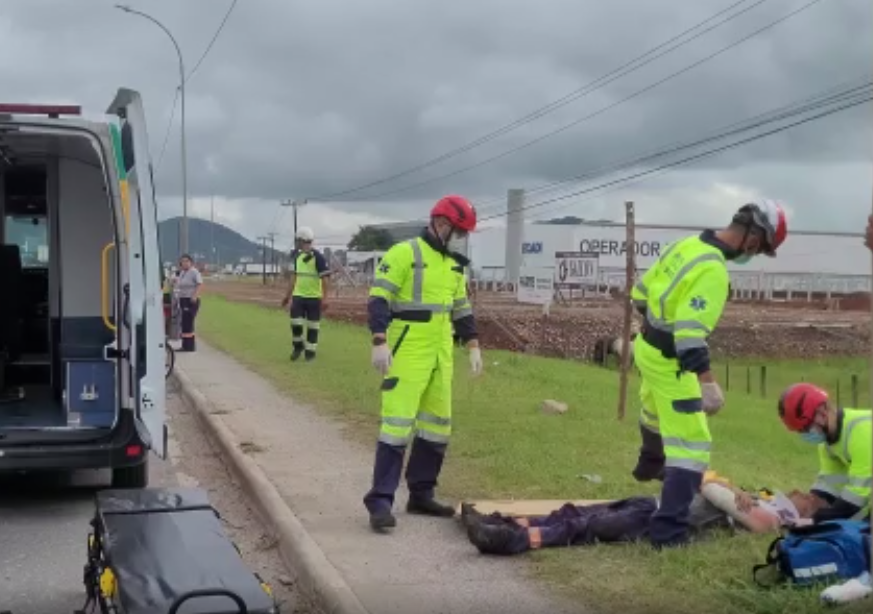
{"type": "Point", "coordinates": [305, 234]}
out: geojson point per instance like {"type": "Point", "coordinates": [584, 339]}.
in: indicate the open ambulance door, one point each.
{"type": "Point", "coordinates": [145, 313]}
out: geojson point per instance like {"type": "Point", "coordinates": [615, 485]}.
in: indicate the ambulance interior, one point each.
{"type": "Point", "coordinates": [58, 280]}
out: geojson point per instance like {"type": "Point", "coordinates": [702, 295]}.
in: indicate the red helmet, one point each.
{"type": "Point", "coordinates": [458, 210]}
{"type": "Point", "coordinates": [769, 216]}
{"type": "Point", "coordinates": [798, 404]}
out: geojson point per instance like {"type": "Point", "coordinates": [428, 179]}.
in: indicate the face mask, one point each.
{"type": "Point", "coordinates": [743, 259]}
{"type": "Point", "coordinates": [457, 244]}
{"type": "Point", "coordinates": [814, 437]}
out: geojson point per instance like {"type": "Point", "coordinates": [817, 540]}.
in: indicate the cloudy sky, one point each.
{"type": "Point", "coordinates": [315, 99]}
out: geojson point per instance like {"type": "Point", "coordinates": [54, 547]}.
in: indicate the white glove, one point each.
{"type": "Point", "coordinates": [713, 399]}
{"type": "Point", "coordinates": [476, 360]}
{"type": "Point", "coordinates": [381, 358]}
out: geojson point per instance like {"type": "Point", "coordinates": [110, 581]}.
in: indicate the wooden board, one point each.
{"type": "Point", "coordinates": [521, 507]}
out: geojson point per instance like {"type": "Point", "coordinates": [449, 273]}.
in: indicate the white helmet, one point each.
{"type": "Point", "coordinates": [305, 234]}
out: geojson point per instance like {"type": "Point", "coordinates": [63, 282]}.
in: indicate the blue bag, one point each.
{"type": "Point", "coordinates": [825, 552]}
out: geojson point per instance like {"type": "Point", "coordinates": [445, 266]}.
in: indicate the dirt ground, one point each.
{"type": "Point", "coordinates": [776, 330]}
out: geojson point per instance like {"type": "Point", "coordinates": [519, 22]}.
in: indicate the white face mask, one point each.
{"type": "Point", "coordinates": [457, 244]}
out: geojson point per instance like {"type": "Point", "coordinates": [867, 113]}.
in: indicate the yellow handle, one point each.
{"type": "Point", "coordinates": [104, 287]}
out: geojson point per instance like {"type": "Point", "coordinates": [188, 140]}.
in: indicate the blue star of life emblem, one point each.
{"type": "Point", "coordinates": [698, 303]}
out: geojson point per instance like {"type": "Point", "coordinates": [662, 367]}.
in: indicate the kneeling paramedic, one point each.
{"type": "Point", "coordinates": [307, 290]}
{"type": "Point", "coordinates": [419, 295]}
{"type": "Point", "coordinates": [845, 457]}
{"type": "Point", "coordinates": [681, 298]}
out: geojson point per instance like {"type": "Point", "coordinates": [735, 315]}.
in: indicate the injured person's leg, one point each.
{"type": "Point", "coordinates": [625, 520]}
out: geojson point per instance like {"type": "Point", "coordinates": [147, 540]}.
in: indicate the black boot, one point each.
{"type": "Point", "coordinates": [297, 353]}
{"type": "Point", "coordinates": [310, 355]}
{"type": "Point", "coordinates": [382, 520]}
{"type": "Point", "coordinates": [650, 464]}
{"type": "Point", "coordinates": [498, 538]}
{"type": "Point", "coordinates": [422, 471]}
{"type": "Point", "coordinates": [428, 507]}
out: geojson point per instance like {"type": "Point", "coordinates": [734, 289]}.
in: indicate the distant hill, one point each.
{"type": "Point", "coordinates": [230, 246]}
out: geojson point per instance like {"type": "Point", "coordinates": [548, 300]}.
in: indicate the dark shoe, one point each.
{"type": "Point", "coordinates": [310, 355]}
{"type": "Point", "coordinates": [496, 538]}
{"type": "Point", "coordinates": [647, 473]}
{"type": "Point", "coordinates": [295, 355]}
{"type": "Point", "coordinates": [380, 521]}
{"type": "Point", "coordinates": [429, 507]}
{"type": "Point", "coordinates": [469, 514]}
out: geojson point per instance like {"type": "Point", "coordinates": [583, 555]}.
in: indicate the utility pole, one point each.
{"type": "Point", "coordinates": [295, 204]}
{"type": "Point", "coordinates": [263, 241]}
{"type": "Point", "coordinates": [630, 269]}
{"type": "Point", "coordinates": [273, 263]}
{"type": "Point", "coordinates": [212, 231]}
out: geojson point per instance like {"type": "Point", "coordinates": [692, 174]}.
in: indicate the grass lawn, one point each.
{"type": "Point", "coordinates": [505, 447]}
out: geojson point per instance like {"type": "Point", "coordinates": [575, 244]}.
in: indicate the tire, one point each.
{"type": "Point", "coordinates": [170, 360]}
{"type": "Point", "coordinates": [136, 476]}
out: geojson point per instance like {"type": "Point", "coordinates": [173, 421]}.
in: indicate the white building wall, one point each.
{"type": "Point", "coordinates": [806, 261]}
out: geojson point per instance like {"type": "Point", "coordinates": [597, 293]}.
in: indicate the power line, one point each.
{"type": "Point", "coordinates": [188, 78]}
{"type": "Point", "coordinates": [684, 161]}
{"type": "Point", "coordinates": [820, 99]}
{"type": "Point", "coordinates": [212, 42]}
{"type": "Point", "coordinates": [566, 99]}
{"type": "Point", "coordinates": [596, 113]}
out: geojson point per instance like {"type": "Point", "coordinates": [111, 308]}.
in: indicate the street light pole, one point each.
{"type": "Point", "coordinates": [183, 230]}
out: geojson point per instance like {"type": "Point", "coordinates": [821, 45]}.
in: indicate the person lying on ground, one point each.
{"type": "Point", "coordinates": [718, 504]}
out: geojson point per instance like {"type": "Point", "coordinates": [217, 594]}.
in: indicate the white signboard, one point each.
{"type": "Point", "coordinates": [576, 270]}
{"type": "Point", "coordinates": [535, 285]}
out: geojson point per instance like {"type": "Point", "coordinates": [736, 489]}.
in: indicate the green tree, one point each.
{"type": "Point", "coordinates": [371, 239]}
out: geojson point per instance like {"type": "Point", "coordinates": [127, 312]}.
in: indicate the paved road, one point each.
{"type": "Point", "coordinates": [44, 525]}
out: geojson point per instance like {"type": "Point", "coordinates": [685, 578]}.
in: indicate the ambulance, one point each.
{"type": "Point", "coordinates": [82, 343]}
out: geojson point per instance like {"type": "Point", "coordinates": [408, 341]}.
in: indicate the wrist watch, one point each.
{"type": "Point", "coordinates": [379, 341]}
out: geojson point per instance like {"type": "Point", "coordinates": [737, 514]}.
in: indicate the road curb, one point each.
{"type": "Point", "coordinates": [300, 552]}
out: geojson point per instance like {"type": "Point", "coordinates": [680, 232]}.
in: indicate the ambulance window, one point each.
{"type": "Point", "coordinates": [30, 234]}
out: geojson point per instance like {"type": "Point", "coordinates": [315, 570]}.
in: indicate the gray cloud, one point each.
{"type": "Point", "coordinates": [303, 99]}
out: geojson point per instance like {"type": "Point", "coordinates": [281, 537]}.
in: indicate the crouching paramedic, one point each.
{"type": "Point", "coordinates": [681, 298]}
{"type": "Point", "coordinates": [845, 457]}
{"type": "Point", "coordinates": [307, 292]}
{"type": "Point", "coordinates": [418, 297]}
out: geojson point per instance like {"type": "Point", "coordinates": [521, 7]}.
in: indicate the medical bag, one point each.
{"type": "Point", "coordinates": [825, 552]}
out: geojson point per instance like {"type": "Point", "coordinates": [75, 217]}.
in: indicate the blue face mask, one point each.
{"type": "Point", "coordinates": [743, 259]}
{"type": "Point", "coordinates": [814, 437]}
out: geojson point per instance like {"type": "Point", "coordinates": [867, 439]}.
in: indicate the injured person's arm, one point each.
{"type": "Point", "coordinates": [760, 515]}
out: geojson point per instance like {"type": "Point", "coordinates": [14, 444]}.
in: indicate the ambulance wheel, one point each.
{"type": "Point", "coordinates": [136, 476]}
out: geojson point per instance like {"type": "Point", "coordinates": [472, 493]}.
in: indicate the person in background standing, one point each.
{"type": "Point", "coordinates": [307, 294]}
{"type": "Point", "coordinates": [187, 286]}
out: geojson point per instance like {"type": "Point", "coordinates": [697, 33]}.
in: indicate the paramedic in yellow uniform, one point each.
{"type": "Point", "coordinates": [419, 297]}
{"type": "Point", "coordinates": [845, 456]}
{"type": "Point", "coordinates": [681, 298]}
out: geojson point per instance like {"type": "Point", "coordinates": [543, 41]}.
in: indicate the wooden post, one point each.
{"type": "Point", "coordinates": [630, 267]}
{"type": "Point", "coordinates": [763, 380]}
{"type": "Point", "coordinates": [727, 376]}
{"type": "Point", "coordinates": [748, 379]}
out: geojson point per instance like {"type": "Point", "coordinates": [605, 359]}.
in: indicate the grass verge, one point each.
{"type": "Point", "coordinates": [504, 446]}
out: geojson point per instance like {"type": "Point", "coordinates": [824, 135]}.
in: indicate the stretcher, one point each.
{"type": "Point", "coordinates": [164, 551]}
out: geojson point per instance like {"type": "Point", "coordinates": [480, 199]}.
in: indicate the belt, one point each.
{"type": "Point", "coordinates": [659, 339]}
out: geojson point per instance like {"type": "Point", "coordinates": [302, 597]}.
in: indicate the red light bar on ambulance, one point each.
{"type": "Point", "coordinates": [52, 110]}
